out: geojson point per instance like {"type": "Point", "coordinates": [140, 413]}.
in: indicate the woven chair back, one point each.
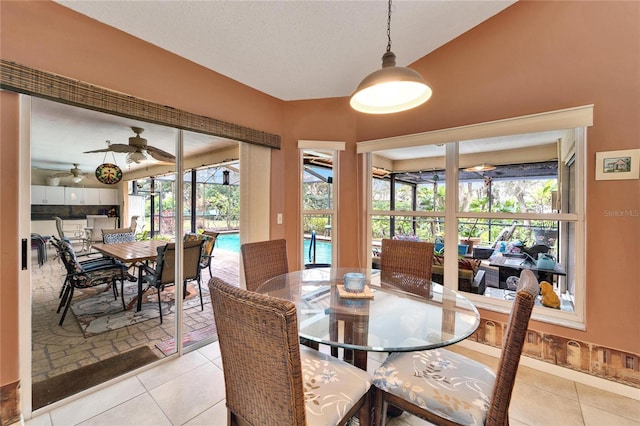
{"type": "Point", "coordinates": [412, 259]}
{"type": "Point", "coordinates": [513, 342]}
{"type": "Point", "coordinates": [260, 350]}
{"type": "Point", "coordinates": [263, 260]}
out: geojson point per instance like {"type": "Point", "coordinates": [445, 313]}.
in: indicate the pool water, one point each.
{"type": "Point", "coordinates": [231, 242]}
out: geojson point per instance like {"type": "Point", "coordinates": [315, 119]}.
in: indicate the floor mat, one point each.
{"type": "Point", "coordinates": [72, 382]}
{"type": "Point", "coordinates": [101, 312]}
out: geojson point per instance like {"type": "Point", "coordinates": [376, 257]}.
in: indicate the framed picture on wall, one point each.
{"type": "Point", "coordinates": [618, 165]}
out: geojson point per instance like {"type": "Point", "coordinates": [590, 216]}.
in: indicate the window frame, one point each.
{"type": "Point", "coordinates": [572, 118]}
{"type": "Point", "coordinates": [336, 147]}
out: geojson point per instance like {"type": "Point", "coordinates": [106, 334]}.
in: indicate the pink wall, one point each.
{"type": "Point", "coordinates": [9, 256]}
{"type": "Point", "coordinates": [324, 120]}
{"type": "Point", "coordinates": [542, 56]}
{"type": "Point", "coordinates": [533, 57]}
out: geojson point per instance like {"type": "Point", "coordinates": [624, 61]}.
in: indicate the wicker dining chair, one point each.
{"type": "Point", "coordinates": [447, 388]}
{"type": "Point", "coordinates": [263, 260]}
{"type": "Point", "coordinates": [270, 379]}
{"type": "Point", "coordinates": [407, 265]}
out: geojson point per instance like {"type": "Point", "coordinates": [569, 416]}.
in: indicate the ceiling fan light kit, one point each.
{"type": "Point", "coordinates": [135, 157]}
{"type": "Point", "coordinates": [390, 89]}
{"type": "Point", "coordinates": [74, 173]}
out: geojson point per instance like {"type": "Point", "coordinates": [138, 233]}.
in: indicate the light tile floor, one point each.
{"type": "Point", "coordinates": [190, 391]}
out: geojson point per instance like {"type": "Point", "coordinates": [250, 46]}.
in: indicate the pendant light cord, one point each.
{"type": "Point", "coordinates": [389, 28]}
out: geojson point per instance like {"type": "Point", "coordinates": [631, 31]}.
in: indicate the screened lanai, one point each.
{"type": "Point", "coordinates": [212, 204]}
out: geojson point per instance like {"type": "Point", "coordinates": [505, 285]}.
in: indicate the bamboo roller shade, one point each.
{"type": "Point", "coordinates": [24, 79]}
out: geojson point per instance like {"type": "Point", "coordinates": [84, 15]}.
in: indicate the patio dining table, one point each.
{"type": "Point", "coordinates": [132, 252]}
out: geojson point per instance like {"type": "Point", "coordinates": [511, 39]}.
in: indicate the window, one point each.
{"type": "Point", "coordinates": [319, 161]}
{"type": "Point", "coordinates": [215, 204]}
{"type": "Point", "coordinates": [630, 362]}
{"type": "Point", "coordinates": [509, 194]}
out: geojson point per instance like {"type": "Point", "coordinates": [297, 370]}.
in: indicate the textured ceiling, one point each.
{"type": "Point", "coordinates": [293, 49]}
{"type": "Point", "coordinates": [288, 49]}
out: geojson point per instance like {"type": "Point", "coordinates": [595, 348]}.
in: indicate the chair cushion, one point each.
{"type": "Point", "coordinates": [450, 385]}
{"type": "Point", "coordinates": [331, 386]}
{"type": "Point", "coordinates": [207, 246]}
{"type": "Point", "coordinates": [124, 237]}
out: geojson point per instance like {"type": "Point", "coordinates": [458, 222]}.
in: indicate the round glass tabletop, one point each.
{"type": "Point", "coordinates": [395, 313]}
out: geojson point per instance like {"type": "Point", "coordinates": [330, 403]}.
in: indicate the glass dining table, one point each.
{"type": "Point", "coordinates": [395, 313]}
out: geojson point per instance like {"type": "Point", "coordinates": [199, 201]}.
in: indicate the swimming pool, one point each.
{"type": "Point", "coordinates": [231, 242]}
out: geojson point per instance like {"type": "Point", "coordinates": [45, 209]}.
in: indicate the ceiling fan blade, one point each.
{"type": "Point", "coordinates": [159, 154]}
{"type": "Point", "coordinates": [97, 150]}
{"type": "Point", "coordinates": [63, 174]}
{"type": "Point", "coordinates": [114, 147]}
{"type": "Point", "coordinates": [119, 147]}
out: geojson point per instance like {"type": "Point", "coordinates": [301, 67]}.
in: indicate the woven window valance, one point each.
{"type": "Point", "coordinates": [43, 84]}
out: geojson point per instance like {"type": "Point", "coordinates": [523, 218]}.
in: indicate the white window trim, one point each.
{"type": "Point", "coordinates": [577, 118]}
{"type": "Point", "coordinates": [337, 147]}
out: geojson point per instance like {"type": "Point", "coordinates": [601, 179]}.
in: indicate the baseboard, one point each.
{"type": "Point", "coordinates": [565, 373]}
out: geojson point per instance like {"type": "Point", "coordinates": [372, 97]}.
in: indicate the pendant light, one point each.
{"type": "Point", "coordinates": [480, 168]}
{"type": "Point", "coordinates": [390, 89]}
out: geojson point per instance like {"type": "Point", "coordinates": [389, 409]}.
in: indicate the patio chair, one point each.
{"type": "Point", "coordinates": [95, 225]}
{"type": "Point", "coordinates": [207, 252]}
{"type": "Point", "coordinates": [80, 276]}
{"type": "Point", "coordinates": [81, 236]}
{"type": "Point", "coordinates": [39, 243]}
{"type": "Point", "coordinates": [444, 387]}
{"type": "Point", "coordinates": [118, 235]}
{"type": "Point", "coordinates": [407, 264]}
{"type": "Point", "coordinates": [87, 260]}
{"type": "Point", "coordinates": [133, 225]}
{"type": "Point", "coordinates": [269, 377]}
{"type": "Point", "coordinates": [263, 260]}
{"type": "Point", "coordinates": [208, 241]}
{"type": "Point", "coordinates": [164, 272]}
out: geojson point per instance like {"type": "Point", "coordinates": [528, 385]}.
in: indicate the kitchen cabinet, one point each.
{"type": "Point", "coordinates": [60, 195]}
{"type": "Point", "coordinates": [108, 196]}
{"type": "Point", "coordinates": [43, 194]}
{"type": "Point", "coordinates": [76, 196]}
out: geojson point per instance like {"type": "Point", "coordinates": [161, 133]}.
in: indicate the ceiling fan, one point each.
{"type": "Point", "coordinates": [137, 149]}
{"type": "Point", "coordinates": [75, 174]}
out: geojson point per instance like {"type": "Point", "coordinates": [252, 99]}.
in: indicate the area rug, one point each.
{"type": "Point", "coordinates": [168, 347]}
{"type": "Point", "coordinates": [72, 382]}
{"type": "Point", "coordinates": [100, 312]}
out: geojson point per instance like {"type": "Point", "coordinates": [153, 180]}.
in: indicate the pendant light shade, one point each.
{"type": "Point", "coordinates": [390, 89]}
{"type": "Point", "coordinates": [136, 157]}
{"type": "Point", "coordinates": [480, 168]}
